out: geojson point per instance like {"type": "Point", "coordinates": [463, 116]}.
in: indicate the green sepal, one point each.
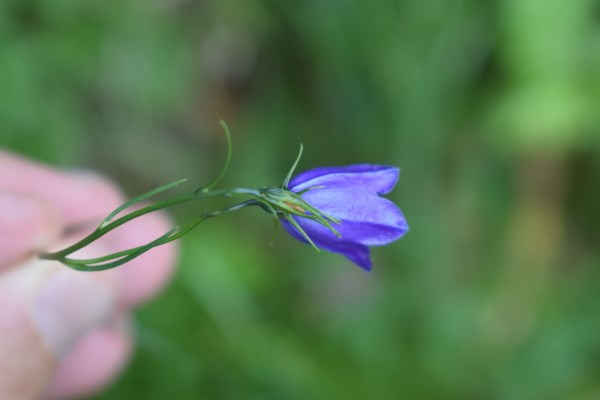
{"type": "Point", "coordinates": [292, 221]}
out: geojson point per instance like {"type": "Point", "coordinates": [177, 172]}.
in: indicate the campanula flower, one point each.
{"type": "Point", "coordinates": [339, 209]}
{"type": "Point", "coordinates": [350, 196]}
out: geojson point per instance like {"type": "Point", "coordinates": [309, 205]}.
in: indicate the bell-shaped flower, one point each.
{"type": "Point", "coordinates": [350, 195]}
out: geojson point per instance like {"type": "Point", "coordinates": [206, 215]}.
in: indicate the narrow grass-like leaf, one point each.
{"type": "Point", "coordinates": [291, 171]}
{"type": "Point", "coordinates": [206, 188]}
{"type": "Point", "coordinates": [137, 199]}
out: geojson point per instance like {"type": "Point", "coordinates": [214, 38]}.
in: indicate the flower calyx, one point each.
{"type": "Point", "coordinates": [283, 203]}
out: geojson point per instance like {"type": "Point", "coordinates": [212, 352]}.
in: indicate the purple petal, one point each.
{"type": "Point", "coordinates": [376, 178]}
{"type": "Point", "coordinates": [365, 233]}
{"type": "Point", "coordinates": [355, 252]}
{"type": "Point", "coordinates": [368, 234]}
{"type": "Point", "coordinates": [367, 219]}
{"type": "Point", "coordinates": [359, 255]}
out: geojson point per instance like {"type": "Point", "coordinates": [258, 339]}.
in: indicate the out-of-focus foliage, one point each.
{"type": "Point", "coordinates": [489, 107]}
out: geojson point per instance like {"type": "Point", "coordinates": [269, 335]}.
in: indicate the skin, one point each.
{"type": "Point", "coordinates": [65, 333]}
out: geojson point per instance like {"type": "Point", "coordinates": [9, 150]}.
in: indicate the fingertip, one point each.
{"type": "Point", "coordinates": [147, 275]}
{"type": "Point", "coordinates": [87, 197]}
{"type": "Point", "coordinates": [144, 276]}
{"type": "Point", "coordinates": [27, 225]}
{"type": "Point", "coordinates": [93, 364]}
{"type": "Point", "coordinates": [78, 196]}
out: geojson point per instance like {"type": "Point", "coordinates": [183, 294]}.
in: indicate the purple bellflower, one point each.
{"type": "Point", "coordinates": [349, 197]}
{"type": "Point", "coordinates": [339, 209]}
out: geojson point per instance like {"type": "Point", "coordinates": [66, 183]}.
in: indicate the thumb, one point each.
{"type": "Point", "coordinates": [45, 309]}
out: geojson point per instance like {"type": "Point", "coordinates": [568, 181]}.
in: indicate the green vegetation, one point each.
{"type": "Point", "coordinates": [489, 107]}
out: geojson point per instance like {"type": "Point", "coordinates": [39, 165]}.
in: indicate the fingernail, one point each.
{"type": "Point", "coordinates": [69, 305]}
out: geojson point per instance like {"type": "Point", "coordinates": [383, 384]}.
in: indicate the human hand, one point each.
{"type": "Point", "coordinates": [64, 333]}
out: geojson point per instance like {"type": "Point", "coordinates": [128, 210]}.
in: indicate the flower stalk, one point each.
{"type": "Point", "coordinates": [308, 206]}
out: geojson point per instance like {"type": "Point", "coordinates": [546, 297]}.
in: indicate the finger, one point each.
{"type": "Point", "coordinates": [93, 363]}
{"type": "Point", "coordinates": [27, 225]}
{"type": "Point", "coordinates": [45, 309]}
{"type": "Point", "coordinates": [145, 275]}
{"type": "Point", "coordinates": [78, 197]}
{"type": "Point", "coordinates": [81, 198]}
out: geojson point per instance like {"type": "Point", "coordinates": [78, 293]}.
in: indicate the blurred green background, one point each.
{"type": "Point", "coordinates": [491, 109]}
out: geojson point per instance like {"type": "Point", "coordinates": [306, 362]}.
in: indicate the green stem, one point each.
{"type": "Point", "coordinates": [119, 258]}
{"type": "Point", "coordinates": [104, 229]}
